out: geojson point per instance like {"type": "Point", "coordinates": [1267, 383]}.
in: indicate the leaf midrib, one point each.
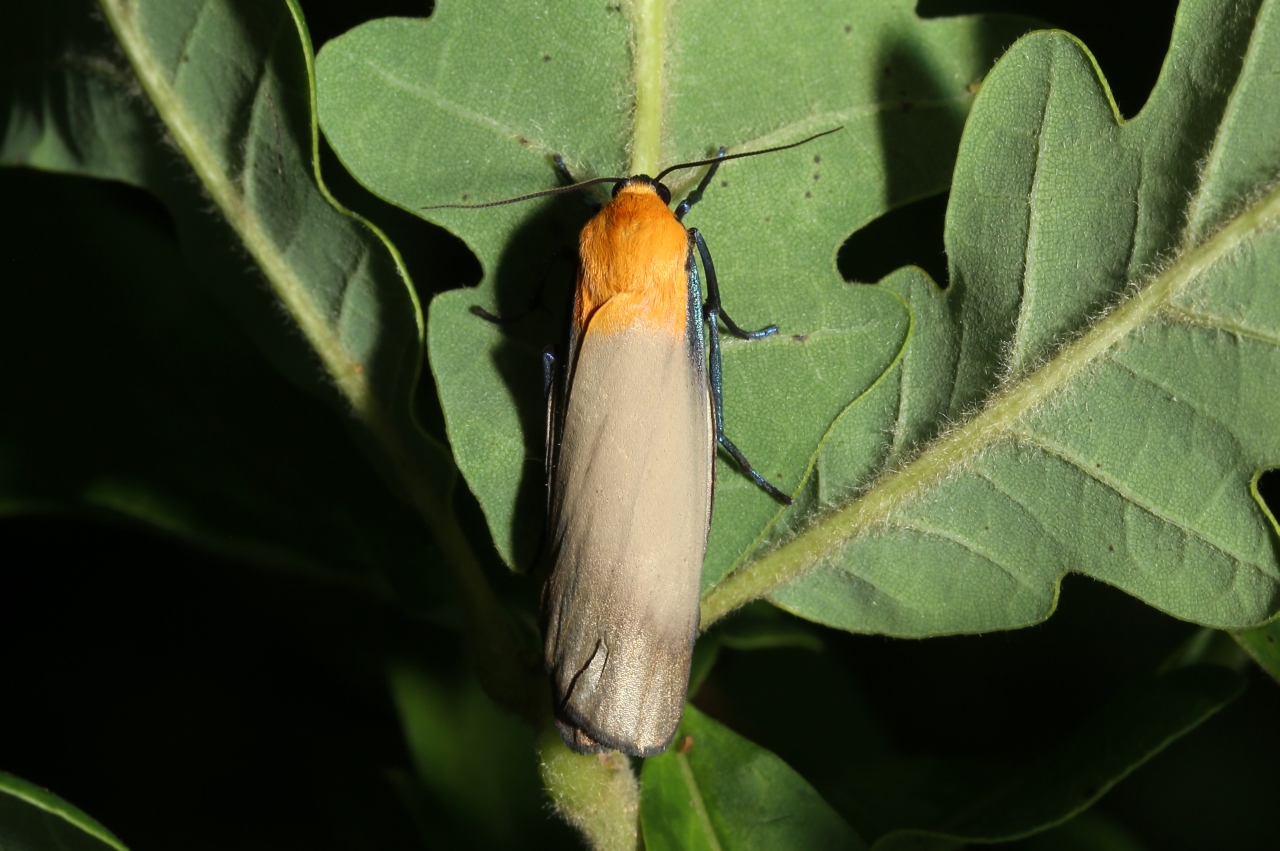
{"type": "Point", "coordinates": [283, 279]}
{"type": "Point", "coordinates": [701, 816]}
{"type": "Point", "coordinates": [995, 422]}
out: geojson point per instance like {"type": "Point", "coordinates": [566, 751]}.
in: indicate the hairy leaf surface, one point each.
{"type": "Point", "coordinates": [1105, 359]}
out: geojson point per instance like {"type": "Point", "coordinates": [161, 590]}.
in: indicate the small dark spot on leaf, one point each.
{"type": "Point", "coordinates": [816, 175]}
{"type": "Point", "coordinates": [465, 196]}
{"type": "Point", "coordinates": [617, 8]}
{"type": "Point", "coordinates": [767, 218]}
{"type": "Point", "coordinates": [1111, 548]}
{"type": "Point", "coordinates": [1271, 639]}
{"type": "Point", "coordinates": [848, 28]}
{"type": "Point", "coordinates": [546, 57]}
{"type": "Point", "coordinates": [808, 194]}
{"type": "Point", "coordinates": [817, 158]}
{"type": "Point", "coordinates": [186, 58]}
{"type": "Point", "coordinates": [522, 140]}
{"type": "Point", "coordinates": [686, 744]}
{"type": "Point", "coordinates": [1097, 466]}
{"type": "Point", "coordinates": [986, 528]}
{"type": "Point", "coordinates": [724, 183]}
{"type": "Point", "coordinates": [799, 338]}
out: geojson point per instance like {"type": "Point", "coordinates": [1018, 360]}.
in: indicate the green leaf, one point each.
{"type": "Point", "coordinates": [475, 759]}
{"type": "Point", "coordinates": [141, 399]}
{"type": "Point", "coordinates": [467, 107]}
{"type": "Point", "coordinates": [715, 790]}
{"type": "Point", "coordinates": [231, 81]}
{"type": "Point", "coordinates": [33, 819]}
{"type": "Point", "coordinates": [1263, 644]}
{"type": "Point", "coordinates": [240, 112]}
{"type": "Point", "coordinates": [239, 108]}
{"type": "Point", "coordinates": [1103, 360]}
{"type": "Point", "coordinates": [930, 804]}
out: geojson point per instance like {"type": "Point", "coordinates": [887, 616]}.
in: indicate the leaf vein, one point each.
{"type": "Point", "coordinates": [968, 546]}
{"type": "Point", "coordinates": [439, 100]}
{"type": "Point", "coordinates": [1217, 322]}
{"type": "Point", "coordinates": [1000, 489]}
{"type": "Point", "coordinates": [187, 38]}
{"type": "Point", "coordinates": [822, 120]}
{"type": "Point", "coordinates": [699, 805]}
{"type": "Point", "coordinates": [1039, 441]}
{"type": "Point", "coordinates": [1017, 349]}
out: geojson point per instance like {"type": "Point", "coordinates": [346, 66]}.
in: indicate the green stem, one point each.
{"type": "Point", "coordinates": [596, 793]}
{"type": "Point", "coordinates": [649, 28]}
{"type": "Point", "coordinates": [997, 421]}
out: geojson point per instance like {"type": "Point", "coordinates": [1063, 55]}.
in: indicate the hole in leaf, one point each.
{"type": "Point", "coordinates": [909, 235]}
{"type": "Point", "coordinates": [1269, 490]}
{"type": "Point", "coordinates": [1130, 64]}
{"type": "Point", "coordinates": [329, 20]}
{"type": "Point", "coordinates": [436, 259]}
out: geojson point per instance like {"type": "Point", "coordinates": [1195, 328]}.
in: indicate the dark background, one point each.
{"type": "Point", "coordinates": [189, 701]}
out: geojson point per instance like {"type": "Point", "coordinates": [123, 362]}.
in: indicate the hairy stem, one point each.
{"type": "Point", "coordinates": [649, 27]}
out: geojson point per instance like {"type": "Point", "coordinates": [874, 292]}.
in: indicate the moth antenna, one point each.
{"type": "Point", "coordinates": [544, 193]}
{"type": "Point", "coordinates": [697, 163]}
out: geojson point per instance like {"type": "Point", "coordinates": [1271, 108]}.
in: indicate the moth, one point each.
{"type": "Point", "coordinates": [634, 418]}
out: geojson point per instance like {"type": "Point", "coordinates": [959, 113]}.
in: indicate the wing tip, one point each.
{"type": "Point", "coordinates": [581, 738]}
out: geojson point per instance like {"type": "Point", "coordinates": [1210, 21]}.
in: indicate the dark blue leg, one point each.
{"type": "Point", "coordinates": [562, 171]}
{"type": "Point", "coordinates": [696, 195]}
{"type": "Point", "coordinates": [549, 395]}
{"type": "Point", "coordinates": [567, 179]}
{"type": "Point", "coordinates": [713, 294]}
{"type": "Point", "coordinates": [711, 312]}
{"type": "Point", "coordinates": [548, 371]}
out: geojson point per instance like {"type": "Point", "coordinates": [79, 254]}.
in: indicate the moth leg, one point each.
{"type": "Point", "coordinates": [562, 171]}
{"type": "Point", "coordinates": [567, 179]}
{"type": "Point", "coordinates": [711, 312]}
{"type": "Point", "coordinates": [549, 393]}
{"type": "Point", "coordinates": [713, 295]}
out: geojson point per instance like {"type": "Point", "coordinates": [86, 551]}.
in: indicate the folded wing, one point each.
{"type": "Point", "coordinates": [630, 507]}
